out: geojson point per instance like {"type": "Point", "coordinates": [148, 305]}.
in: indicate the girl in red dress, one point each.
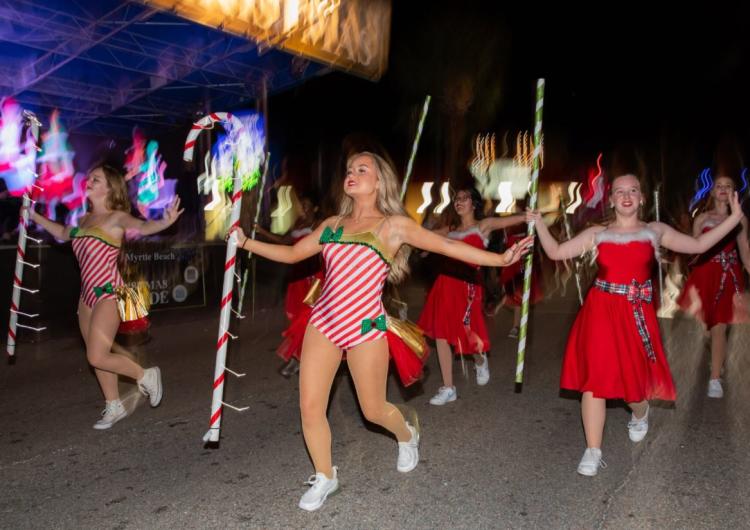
{"type": "Point", "coordinates": [511, 280]}
{"type": "Point", "coordinates": [361, 247]}
{"type": "Point", "coordinates": [614, 350]}
{"type": "Point", "coordinates": [452, 314]}
{"type": "Point", "coordinates": [714, 288]}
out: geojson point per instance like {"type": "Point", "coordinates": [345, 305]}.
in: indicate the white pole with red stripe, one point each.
{"type": "Point", "coordinates": [21, 262]}
{"type": "Point", "coordinates": [220, 369]}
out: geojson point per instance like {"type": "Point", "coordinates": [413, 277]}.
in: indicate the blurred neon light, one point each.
{"type": "Point", "coordinates": [743, 176]}
{"type": "Point", "coordinates": [704, 183]}
{"type": "Point", "coordinates": [574, 192]}
{"type": "Point", "coordinates": [506, 198]}
{"type": "Point", "coordinates": [445, 198]}
{"type": "Point", "coordinates": [17, 156]}
{"type": "Point", "coordinates": [426, 197]}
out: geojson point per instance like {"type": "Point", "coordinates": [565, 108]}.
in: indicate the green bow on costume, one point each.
{"type": "Point", "coordinates": [106, 288]}
{"type": "Point", "coordinates": [329, 236]}
{"type": "Point", "coordinates": [369, 323]}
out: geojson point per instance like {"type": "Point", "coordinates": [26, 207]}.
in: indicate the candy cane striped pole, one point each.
{"type": "Point", "coordinates": [220, 369]}
{"type": "Point", "coordinates": [532, 205]}
{"type": "Point", "coordinates": [415, 145]}
{"type": "Point", "coordinates": [23, 225]}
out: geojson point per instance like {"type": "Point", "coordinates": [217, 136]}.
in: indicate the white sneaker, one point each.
{"type": "Point", "coordinates": [320, 488]}
{"type": "Point", "coordinates": [445, 394]}
{"type": "Point", "coordinates": [483, 370]}
{"type": "Point", "coordinates": [591, 462]}
{"type": "Point", "coordinates": [408, 452]}
{"type": "Point", "coordinates": [150, 385]}
{"type": "Point", "coordinates": [112, 413]}
{"type": "Point", "coordinates": [714, 389]}
{"type": "Point", "coordinates": [638, 427]}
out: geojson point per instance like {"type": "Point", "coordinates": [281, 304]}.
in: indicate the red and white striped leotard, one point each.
{"type": "Point", "coordinates": [97, 256]}
{"type": "Point", "coordinates": [350, 308]}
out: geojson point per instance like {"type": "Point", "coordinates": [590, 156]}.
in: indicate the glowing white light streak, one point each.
{"type": "Point", "coordinates": [574, 192]}
{"type": "Point", "coordinates": [426, 197]}
{"type": "Point", "coordinates": [507, 202]}
{"type": "Point", "coordinates": [445, 198]}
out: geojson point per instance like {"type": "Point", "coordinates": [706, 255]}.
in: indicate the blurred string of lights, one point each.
{"type": "Point", "coordinates": [595, 190]}
{"type": "Point", "coordinates": [574, 192]}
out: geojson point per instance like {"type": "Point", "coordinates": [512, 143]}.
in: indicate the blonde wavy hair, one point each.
{"type": "Point", "coordinates": [117, 198]}
{"type": "Point", "coordinates": [388, 203]}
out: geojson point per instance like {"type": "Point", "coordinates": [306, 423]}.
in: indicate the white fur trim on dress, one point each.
{"type": "Point", "coordinates": [301, 232]}
{"type": "Point", "coordinates": [620, 238]}
{"type": "Point", "coordinates": [454, 234]}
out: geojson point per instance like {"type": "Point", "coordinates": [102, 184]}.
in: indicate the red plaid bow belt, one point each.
{"type": "Point", "coordinates": [727, 261]}
{"type": "Point", "coordinates": [636, 293]}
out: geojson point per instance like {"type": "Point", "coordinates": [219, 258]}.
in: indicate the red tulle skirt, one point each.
{"type": "Point", "coordinates": [453, 312]}
{"type": "Point", "coordinates": [699, 296]}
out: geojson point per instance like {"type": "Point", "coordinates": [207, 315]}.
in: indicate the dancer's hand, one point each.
{"type": "Point", "coordinates": [172, 212]}
{"type": "Point", "coordinates": [239, 233]}
{"type": "Point", "coordinates": [735, 206]}
{"type": "Point", "coordinates": [517, 251]}
{"type": "Point", "coordinates": [534, 216]}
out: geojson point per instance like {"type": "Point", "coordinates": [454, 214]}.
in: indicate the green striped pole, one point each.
{"type": "Point", "coordinates": [532, 205]}
{"type": "Point", "coordinates": [415, 145]}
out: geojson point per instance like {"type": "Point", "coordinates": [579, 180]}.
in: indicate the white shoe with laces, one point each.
{"type": "Point", "coordinates": [320, 488]}
{"type": "Point", "coordinates": [714, 389]}
{"type": "Point", "coordinates": [591, 462]}
{"type": "Point", "coordinates": [408, 452]}
{"type": "Point", "coordinates": [638, 427]}
{"type": "Point", "coordinates": [150, 385]}
{"type": "Point", "coordinates": [113, 412]}
{"type": "Point", "coordinates": [483, 370]}
{"type": "Point", "coordinates": [445, 394]}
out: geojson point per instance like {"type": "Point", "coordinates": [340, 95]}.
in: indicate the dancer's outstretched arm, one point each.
{"type": "Point", "coordinates": [302, 249]}
{"type": "Point", "coordinates": [679, 242]}
{"type": "Point", "coordinates": [403, 230]}
{"type": "Point", "coordinates": [146, 228]}
{"type": "Point", "coordinates": [490, 224]}
{"type": "Point", "coordinates": [57, 230]}
{"type": "Point", "coordinates": [574, 247]}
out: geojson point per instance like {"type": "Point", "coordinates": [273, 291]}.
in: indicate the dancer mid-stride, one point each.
{"type": "Point", "coordinates": [96, 244]}
{"type": "Point", "coordinates": [362, 247]}
{"type": "Point", "coordinates": [713, 291]}
{"type": "Point", "coordinates": [614, 350]}
{"type": "Point", "coordinates": [452, 314]}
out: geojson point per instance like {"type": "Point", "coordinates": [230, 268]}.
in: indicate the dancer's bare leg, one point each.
{"type": "Point", "coordinates": [319, 362]}
{"type": "Point", "coordinates": [102, 328]}
{"type": "Point", "coordinates": [368, 364]}
{"type": "Point", "coordinates": [594, 413]}
{"type": "Point", "coordinates": [718, 349]}
{"type": "Point", "coordinates": [445, 359]}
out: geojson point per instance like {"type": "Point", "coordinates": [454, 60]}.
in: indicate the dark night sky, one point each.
{"type": "Point", "coordinates": [648, 87]}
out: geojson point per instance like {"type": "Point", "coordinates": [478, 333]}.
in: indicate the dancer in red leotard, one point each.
{"type": "Point", "coordinates": [714, 288]}
{"type": "Point", "coordinates": [361, 247]}
{"type": "Point", "coordinates": [614, 349]}
{"type": "Point", "coordinates": [96, 244]}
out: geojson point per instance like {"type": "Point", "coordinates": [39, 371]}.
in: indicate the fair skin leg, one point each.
{"type": "Point", "coordinates": [99, 327]}
{"type": "Point", "coordinates": [718, 349]}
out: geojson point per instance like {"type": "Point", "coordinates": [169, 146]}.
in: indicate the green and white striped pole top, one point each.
{"type": "Point", "coordinates": [533, 187]}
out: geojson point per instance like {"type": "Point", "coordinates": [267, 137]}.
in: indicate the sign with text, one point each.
{"type": "Point", "coordinates": [174, 275]}
{"type": "Point", "coordinates": [350, 35]}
